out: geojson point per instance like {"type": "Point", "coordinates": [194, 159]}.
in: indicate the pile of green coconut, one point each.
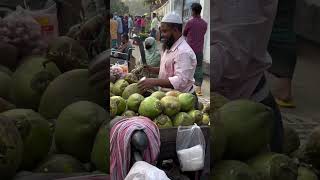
{"type": "Point", "coordinates": [167, 109]}
{"type": "Point", "coordinates": [240, 142]}
{"type": "Point", "coordinates": [51, 119]}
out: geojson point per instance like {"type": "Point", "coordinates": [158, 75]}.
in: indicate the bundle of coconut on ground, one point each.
{"type": "Point", "coordinates": [53, 123]}
{"type": "Point", "coordinates": [240, 136]}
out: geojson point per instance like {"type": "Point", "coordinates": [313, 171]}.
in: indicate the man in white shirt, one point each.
{"type": "Point", "coordinates": [154, 25]}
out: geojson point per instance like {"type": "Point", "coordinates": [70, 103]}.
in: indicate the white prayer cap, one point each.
{"type": "Point", "coordinates": [172, 18]}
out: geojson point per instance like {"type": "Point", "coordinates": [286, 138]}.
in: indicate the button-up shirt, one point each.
{"type": "Point", "coordinates": [178, 65]}
{"type": "Point", "coordinates": [195, 30]}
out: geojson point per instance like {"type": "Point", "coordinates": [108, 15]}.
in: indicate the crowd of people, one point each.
{"type": "Point", "coordinates": [130, 25]}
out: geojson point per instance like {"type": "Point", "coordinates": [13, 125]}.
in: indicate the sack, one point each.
{"type": "Point", "coordinates": [190, 146]}
{"type": "Point", "coordinates": [144, 171]}
{"type": "Point", "coordinates": [48, 20]}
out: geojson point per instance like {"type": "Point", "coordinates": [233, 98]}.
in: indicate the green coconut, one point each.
{"type": "Point", "coordinates": [171, 105]}
{"type": "Point", "coordinates": [129, 113]}
{"type": "Point", "coordinates": [76, 129]}
{"type": "Point", "coordinates": [11, 148]}
{"type": "Point", "coordinates": [245, 122]}
{"type": "Point", "coordinates": [158, 94]}
{"type": "Point", "coordinates": [273, 166]}
{"type": "Point", "coordinates": [121, 104]}
{"type": "Point", "coordinates": [187, 101]}
{"type": "Point", "coordinates": [134, 102]}
{"type": "Point", "coordinates": [100, 155]}
{"type": "Point", "coordinates": [305, 173]}
{"type": "Point", "coordinates": [5, 105]}
{"type": "Point", "coordinates": [218, 141]}
{"type": "Point", "coordinates": [6, 70]}
{"type": "Point", "coordinates": [205, 119]}
{"type": "Point", "coordinates": [200, 106]}
{"type": "Point", "coordinates": [206, 108]}
{"type": "Point", "coordinates": [9, 55]}
{"type": "Point", "coordinates": [129, 90]}
{"type": "Point", "coordinates": [131, 78]}
{"type": "Point", "coordinates": [113, 108]}
{"type": "Point", "coordinates": [119, 87]}
{"type": "Point", "coordinates": [66, 89]}
{"type": "Point", "coordinates": [232, 170]}
{"type": "Point", "coordinates": [36, 135]}
{"type": "Point", "coordinates": [30, 80]}
{"type": "Point", "coordinates": [217, 101]}
{"type": "Point", "coordinates": [5, 85]}
{"type": "Point", "coordinates": [291, 141]}
{"type": "Point", "coordinates": [197, 116]}
{"type": "Point", "coordinates": [312, 148]}
{"type": "Point", "coordinates": [163, 121]}
{"type": "Point", "coordinates": [60, 163]}
{"type": "Point", "coordinates": [173, 93]}
{"type": "Point", "coordinates": [67, 54]}
{"type": "Point", "coordinates": [150, 107]}
{"type": "Point", "coordinates": [111, 87]}
{"type": "Point", "coordinates": [183, 119]}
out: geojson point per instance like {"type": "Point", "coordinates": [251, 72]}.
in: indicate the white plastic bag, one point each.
{"type": "Point", "coordinates": [144, 171]}
{"type": "Point", "coordinates": [48, 20]}
{"type": "Point", "coordinates": [190, 146]}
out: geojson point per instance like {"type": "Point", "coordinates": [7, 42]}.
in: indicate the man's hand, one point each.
{"type": "Point", "coordinates": [149, 83]}
{"type": "Point", "coordinates": [146, 84]}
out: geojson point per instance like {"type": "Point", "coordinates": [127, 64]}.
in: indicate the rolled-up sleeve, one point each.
{"type": "Point", "coordinates": [184, 65]}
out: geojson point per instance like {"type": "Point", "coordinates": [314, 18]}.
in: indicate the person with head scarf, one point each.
{"type": "Point", "coordinates": [152, 53]}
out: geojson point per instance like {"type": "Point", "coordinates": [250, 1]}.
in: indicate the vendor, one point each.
{"type": "Point", "coordinates": [124, 48]}
{"type": "Point", "coordinates": [178, 62]}
{"type": "Point", "coordinates": [240, 58]}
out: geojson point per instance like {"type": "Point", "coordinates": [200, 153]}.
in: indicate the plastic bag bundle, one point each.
{"type": "Point", "coordinates": [48, 21]}
{"type": "Point", "coordinates": [21, 30]}
{"type": "Point", "coordinates": [143, 171]}
{"type": "Point", "coordinates": [190, 146]}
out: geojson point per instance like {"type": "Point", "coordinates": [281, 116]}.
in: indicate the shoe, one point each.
{"type": "Point", "coordinates": [285, 104]}
{"type": "Point", "coordinates": [198, 91]}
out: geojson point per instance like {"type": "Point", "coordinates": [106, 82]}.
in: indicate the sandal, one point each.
{"type": "Point", "coordinates": [285, 104]}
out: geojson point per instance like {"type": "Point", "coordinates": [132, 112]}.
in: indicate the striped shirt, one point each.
{"type": "Point", "coordinates": [195, 30]}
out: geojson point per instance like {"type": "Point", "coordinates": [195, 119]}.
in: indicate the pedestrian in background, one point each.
{"type": "Point", "coordinates": [194, 31]}
{"type": "Point", "coordinates": [130, 25]}
{"type": "Point", "coordinates": [154, 26]}
{"type": "Point", "coordinates": [120, 28]}
{"type": "Point", "coordinates": [113, 32]}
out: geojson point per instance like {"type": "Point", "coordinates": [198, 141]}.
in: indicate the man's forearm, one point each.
{"type": "Point", "coordinates": [165, 83]}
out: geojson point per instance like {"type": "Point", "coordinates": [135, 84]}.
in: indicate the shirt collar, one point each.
{"type": "Point", "coordinates": [176, 44]}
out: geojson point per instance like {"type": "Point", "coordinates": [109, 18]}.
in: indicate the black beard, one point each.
{"type": "Point", "coordinates": [167, 44]}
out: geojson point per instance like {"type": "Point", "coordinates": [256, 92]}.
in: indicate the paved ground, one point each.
{"type": "Point", "coordinates": [306, 90]}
